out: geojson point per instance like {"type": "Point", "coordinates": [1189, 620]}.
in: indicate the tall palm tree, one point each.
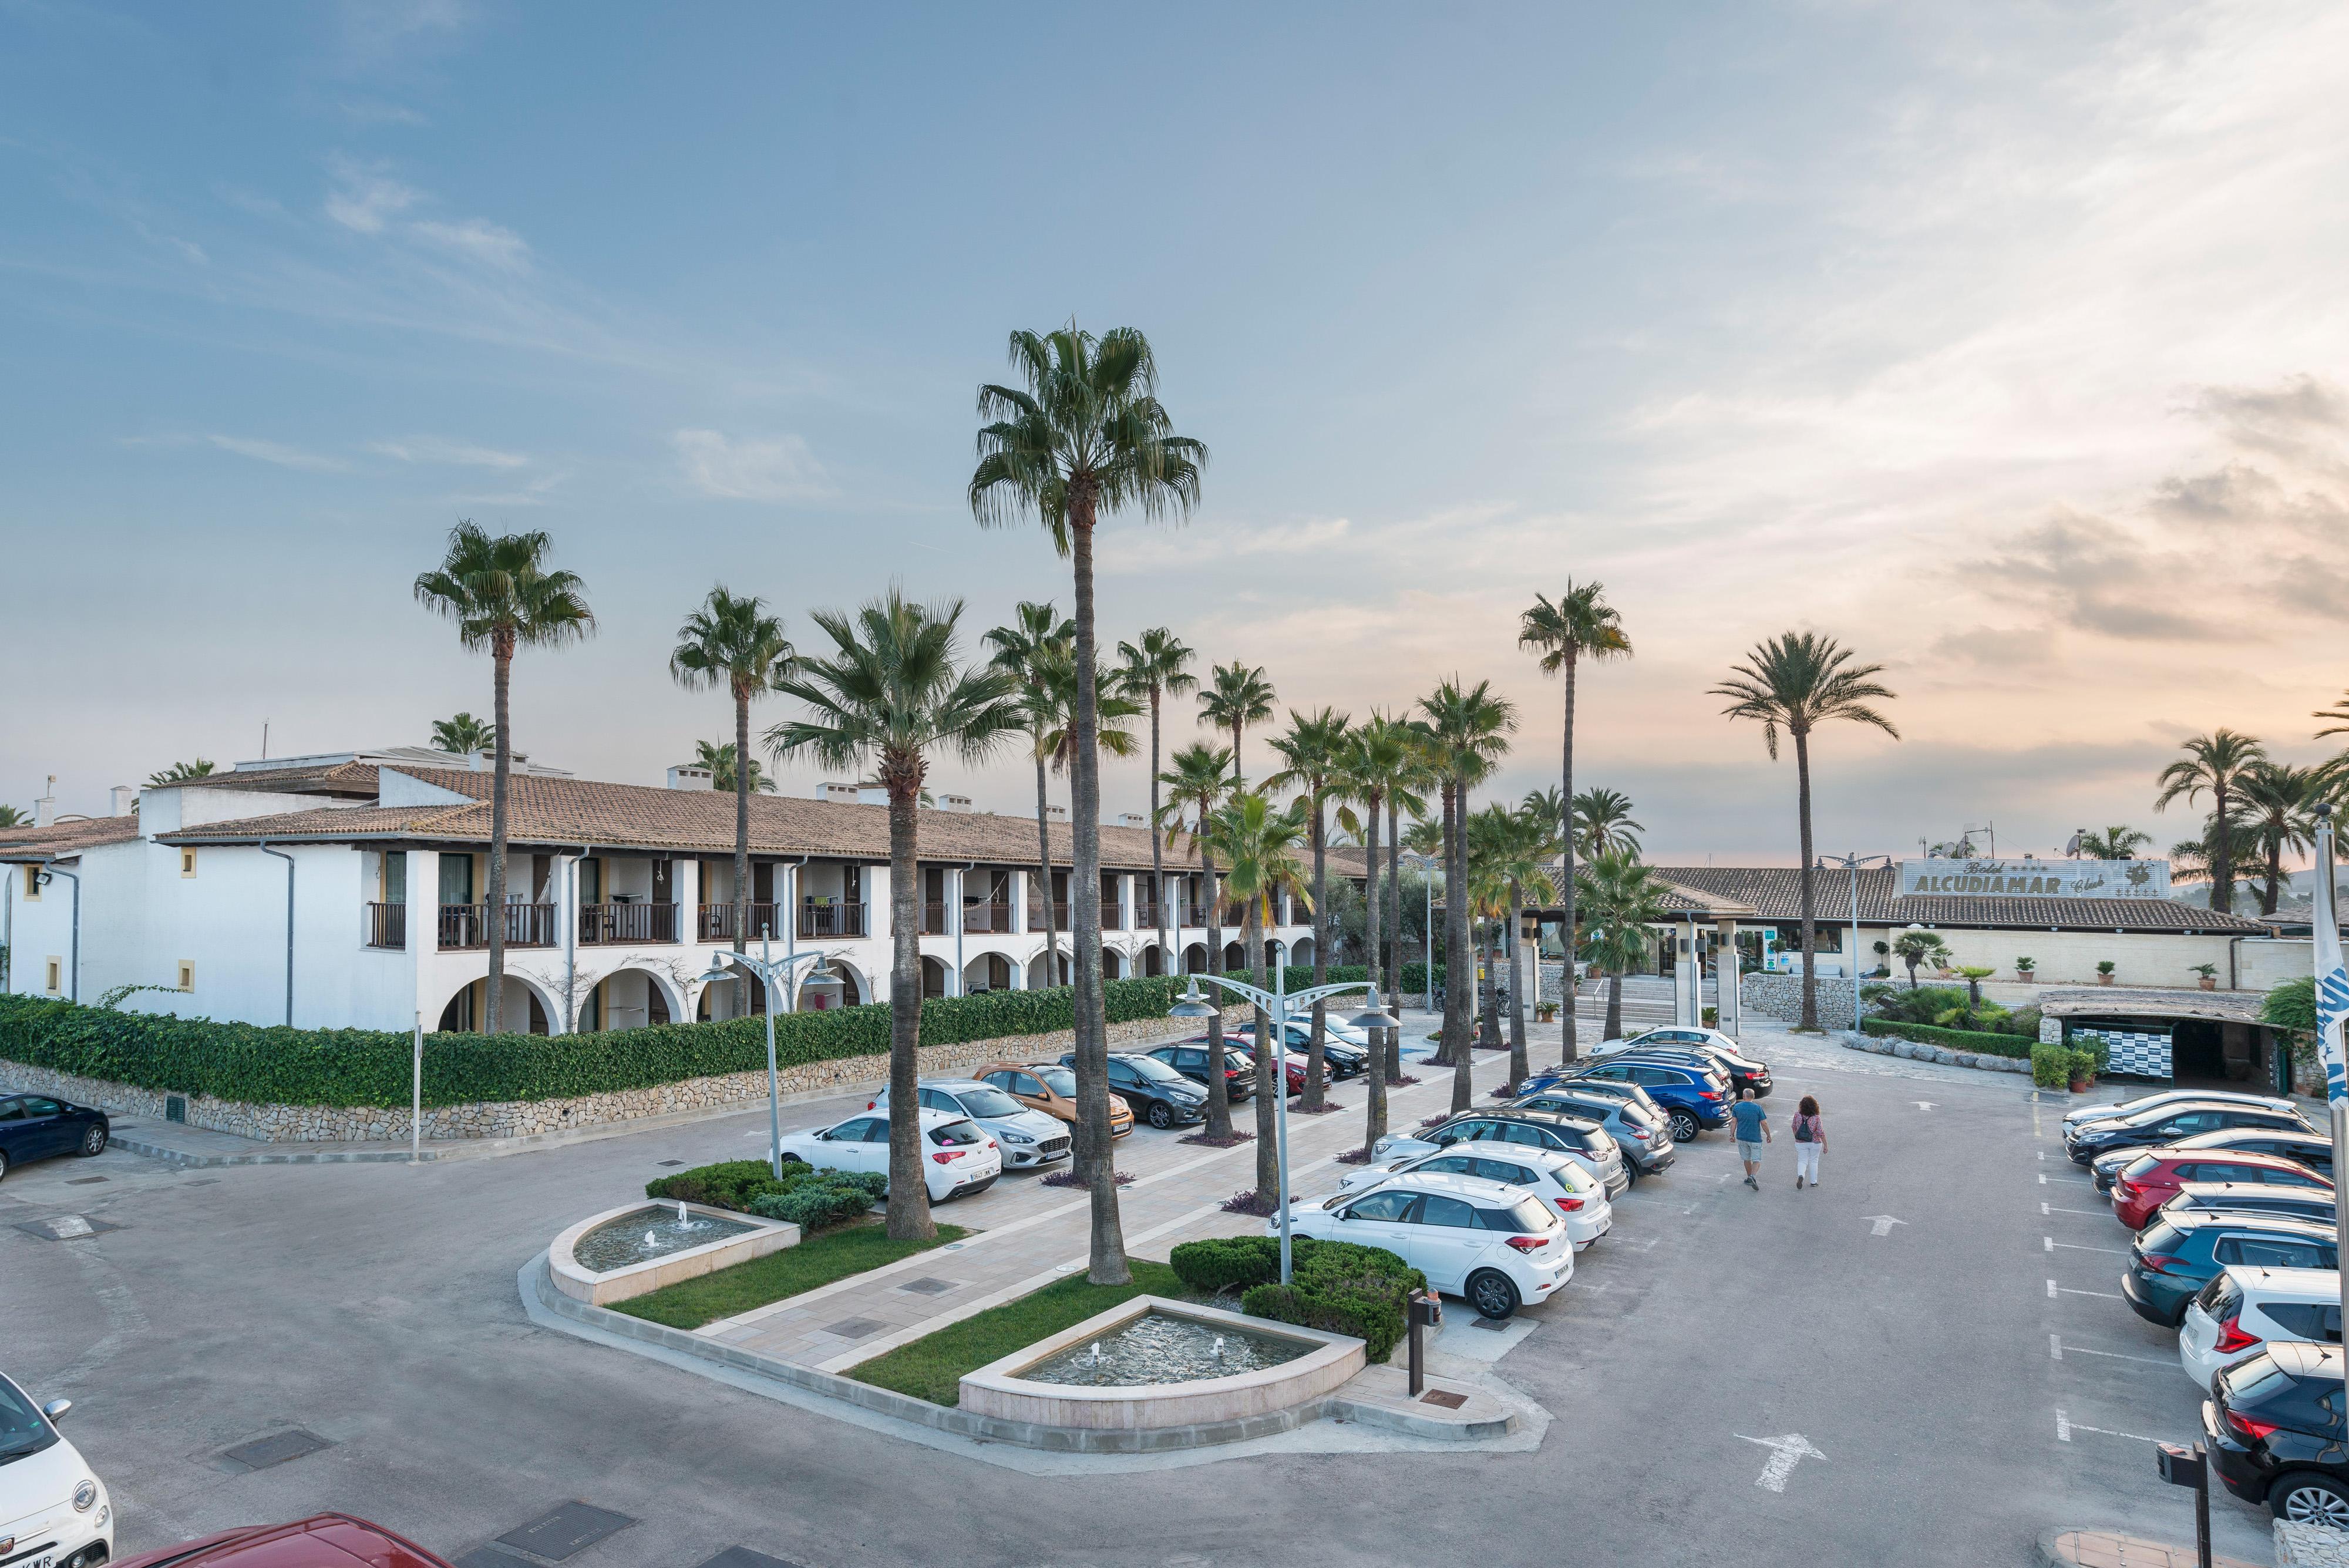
{"type": "Point", "coordinates": [1465, 731]}
{"type": "Point", "coordinates": [2221, 762]}
{"type": "Point", "coordinates": [2118, 842]}
{"type": "Point", "coordinates": [504, 597]}
{"type": "Point", "coordinates": [1602, 820]}
{"type": "Point", "coordinates": [1237, 697]}
{"type": "Point", "coordinates": [1201, 781]}
{"type": "Point", "coordinates": [462, 735]}
{"type": "Point", "coordinates": [730, 640]}
{"type": "Point", "coordinates": [718, 756]}
{"type": "Point", "coordinates": [893, 690]}
{"type": "Point", "coordinates": [1799, 681]}
{"type": "Point", "coordinates": [1156, 666]}
{"type": "Point", "coordinates": [1624, 900]}
{"type": "Point", "coordinates": [1376, 769]}
{"type": "Point", "coordinates": [1113, 712]}
{"type": "Point", "coordinates": [1580, 625]}
{"type": "Point", "coordinates": [1025, 650]}
{"type": "Point", "coordinates": [1314, 750]}
{"type": "Point", "coordinates": [1086, 436]}
{"type": "Point", "coordinates": [1523, 864]}
{"type": "Point", "coordinates": [2283, 800]}
{"type": "Point", "coordinates": [2338, 715]}
{"type": "Point", "coordinates": [1259, 845]}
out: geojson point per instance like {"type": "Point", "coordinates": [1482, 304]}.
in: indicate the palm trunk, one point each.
{"type": "Point", "coordinates": [741, 819]}
{"type": "Point", "coordinates": [1458, 1021]}
{"type": "Point", "coordinates": [494, 896]}
{"type": "Point", "coordinates": [1374, 1123]}
{"type": "Point", "coordinates": [1271, 1083]}
{"type": "Point", "coordinates": [1567, 1045]}
{"type": "Point", "coordinates": [1810, 904]}
{"type": "Point", "coordinates": [1167, 963]}
{"type": "Point", "coordinates": [2275, 874]}
{"type": "Point", "coordinates": [1239, 780]}
{"type": "Point", "coordinates": [1488, 1022]}
{"type": "Point", "coordinates": [1520, 1067]}
{"type": "Point", "coordinates": [1044, 883]}
{"type": "Point", "coordinates": [1614, 1004]}
{"type": "Point", "coordinates": [1108, 1265]}
{"type": "Point", "coordinates": [1219, 1093]}
{"type": "Point", "coordinates": [1321, 952]}
{"type": "Point", "coordinates": [1394, 1069]}
{"type": "Point", "coordinates": [909, 1196]}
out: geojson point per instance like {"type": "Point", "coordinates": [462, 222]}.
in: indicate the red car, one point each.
{"type": "Point", "coordinates": [325, 1541]}
{"type": "Point", "coordinates": [2152, 1179]}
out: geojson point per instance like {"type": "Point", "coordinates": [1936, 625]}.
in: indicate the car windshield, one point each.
{"type": "Point", "coordinates": [2252, 1381]}
{"type": "Point", "coordinates": [987, 1103]}
{"type": "Point", "coordinates": [2159, 1237]}
{"type": "Point", "coordinates": [1151, 1068]}
{"type": "Point", "coordinates": [2139, 1167]}
{"type": "Point", "coordinates": [1532, 1215]}
{"type": "Point", "coordinates": [1060, 1081]}
{"type": "Point", "coordinates": [21, 1429]}
{"type": "Point", "coordinates": [957, 1134]}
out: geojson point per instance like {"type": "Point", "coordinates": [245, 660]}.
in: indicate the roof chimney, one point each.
{"type": "Point", "coordinates": [1132, 819]}
{"type": "Point", "coordinates": [832, 789]}
{"type": "Point", "coordinates": [961, 803]}
{"type": "Point", "coordinates": [44, 810]}
{"type": "Point", "coordinates": [691, 775]}
{"type": "Point", "coordinates": [125, 799]}
{"type": "Point", "coordinates": [1057, 813]}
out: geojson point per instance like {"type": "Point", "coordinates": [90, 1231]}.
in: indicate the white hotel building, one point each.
{"type": "Point", "coordinates": [347, 891]}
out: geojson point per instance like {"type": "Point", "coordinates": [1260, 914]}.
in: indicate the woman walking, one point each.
{"type": "Point", "coordinates": [1810, 1142]}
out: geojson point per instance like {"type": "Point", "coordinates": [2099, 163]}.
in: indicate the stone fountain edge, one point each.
{"type": "Point", "coordinates": [584, 1284]}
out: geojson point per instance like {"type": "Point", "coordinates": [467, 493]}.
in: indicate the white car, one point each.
{"type": "Point", "coordinates": [957, 1158]}
{"type": "Point", "coordinates": [1499, 1246]}
{"type": "Point", "coordinates": [1558, 1181]}
{"type": "Point", "coordinates": [54, 1511]}
{"type": "Point", "coordinates": [2244, 1310]}
{"type": "Point", "coordinates": [2171, 1097]}
{"type": "Point", "coordinates": [1580, 1138]}
{"type": "Point", "coordinates": [1026, 1137]}
{"type": "Point", "coordinates": [1670, 1036]}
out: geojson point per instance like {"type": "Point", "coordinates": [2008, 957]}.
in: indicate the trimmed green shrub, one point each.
{"type": "Point", "coordinates": [1335, 1286]}
{"type": "Point", "coordinates": [2013, 1046]}
{"type": "Point", "coordinates": [2084, 1064]}
{"type": "Point", "coordinates": [2051, 1067]}
{"type": "Point", "coordinates": [1221, 1263]}
{"type": "Point", "coordinates": [730, 1184]}
{"type": "Point", "coordinates": [823, 1198]}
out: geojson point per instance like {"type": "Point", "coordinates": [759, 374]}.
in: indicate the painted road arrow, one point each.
{"type": "Point", "coordinates": [1785, 1453]}
{"type": "Point", "coordinates": [1881, 1224]}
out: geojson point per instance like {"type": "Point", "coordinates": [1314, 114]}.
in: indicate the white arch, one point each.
{"type": "Point", "coordinates": [671, 997]}
{"type": "Point", "coordinates": [531, 984]}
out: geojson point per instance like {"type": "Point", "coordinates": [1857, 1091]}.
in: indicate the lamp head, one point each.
{"type": "Point", "coordinates": [1193, 1005]}
{"type": "Point", "coordinates": [719, 971]}
{"type": "Point", "coordinates": [1373, 1016]}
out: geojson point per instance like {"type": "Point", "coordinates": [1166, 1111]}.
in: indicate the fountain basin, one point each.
{"type": "Point", "coordinates": [674, 1256]}
{"type": "Point", "coordinates": [1292, 1366]}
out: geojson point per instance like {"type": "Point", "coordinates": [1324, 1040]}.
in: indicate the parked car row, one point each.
{"type": "Point", "coordinates": [39, 1126]}
{"type": "Point", "coordinates": [2231, 1205]}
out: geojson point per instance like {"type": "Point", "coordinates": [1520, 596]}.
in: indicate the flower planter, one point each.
{"type": "Point", "coordinates": [2210, 981]}
{"type": "Point", "coordinates": [2025, 976]}
{"type": "Point", "coordinates": [2104, 980]}
{"type": "Point", "coordinates": [2079, 1086]}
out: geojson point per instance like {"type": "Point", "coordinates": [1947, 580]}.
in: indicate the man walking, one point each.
{"type": "Point", "coordinates": [1752, 1131]}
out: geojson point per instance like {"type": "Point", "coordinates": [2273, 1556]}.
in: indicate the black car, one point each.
{"type": "Point", "coordinates": [1745, 1072]}
{"type": "Point", "coordinates": [1157, 1092]}
{"type": "Point", "coordinates": [1189, 1057]}
{"type": "Point", "coordinates": [1741, 1074]}
{"type": "Point", "coordinates": [2173, 1258]}
{"type": "Point", "coordinates": [1342, 1058]}
{"type": "Point", "coordinates": [2275, 1430]}
{"type": "Point", "coordinates": [2171, 1124]}
{"type": "Point", "coordinates": [35, 1126]}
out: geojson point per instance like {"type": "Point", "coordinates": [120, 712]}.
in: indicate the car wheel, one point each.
{"type": "Point", "coordinates": [1492, 1294]}
{"type": "Point", "coordinates": [1684, 1127]}
{"type": "Point", "coordinates": [2305, 1498]}
{"type": "Point", "coordinates": [3, 1165]}
{"type": "Point", "coordinates": [1162, 1115]}
{"type": "Point", "coordinates": [1631, 1170]}
{"type": "Point", "coordinates": [94, 1140]}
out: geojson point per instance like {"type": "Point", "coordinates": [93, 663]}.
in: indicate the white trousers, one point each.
{"type": "Point", "coordinates": [1806, 1161]}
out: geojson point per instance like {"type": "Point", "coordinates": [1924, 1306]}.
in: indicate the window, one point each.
{"type": "Point", "coordinates": [1437, 1209]}
{"type": "Point", "coordinates": [187, 975]}
{"type": "Point", "coordinates": [2307, 1319]}
{"type": "Point", "coordinates": [857, 1131]}
{"type": "Point", "coordinates": [1450, 1165]}
{"type": "Point", "coordinates": [395, 877]}
{"type": "Point", "coordinates": [187, 861]}
{"type": "Point", "coordinates": [1527, 1134]}
{"type": "Point", "coordinates": [57, 976]}
{"type": "Point", "coordinates": [12, 1110]}
{"type": "Point", "coordinates": [2277, 1177]}
{"type": "Point", "coordinates": [1381, 1206]}
{"type": "Point", "coordinates": [932, 1100]}
{"type": "Point", "coordinates": [953, 1135]}
{"type": "Point", "coordinates": [2273, 1252]}
{"type": "Point", "coordinates": [1494, 1170]}
{"type": "Point", "coordinates": [37, 1106]}
{"type": "Point", "coordinates": [32, 884]}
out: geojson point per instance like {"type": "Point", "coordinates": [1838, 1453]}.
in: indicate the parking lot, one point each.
{"type": "Point", "coordinates": [1922, 1361]}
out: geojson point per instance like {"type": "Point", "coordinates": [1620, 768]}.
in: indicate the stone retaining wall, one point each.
{"type": "Point", "coordinates": [1780, 996]}
{"type": "Point", "coordinates": [522, 1119]}
{"type": "Point", "coordinates": [1920, 1050]}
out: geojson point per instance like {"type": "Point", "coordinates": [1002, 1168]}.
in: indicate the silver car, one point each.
{"type": "Point", "coordinates": [1027, 1138]}
{"type": "Point", "coordinates": [1643, 1137]}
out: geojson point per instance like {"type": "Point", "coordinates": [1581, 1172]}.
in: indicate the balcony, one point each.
{"type": "Point", "coordinates": [986, 920]}
{"type": "Point", "coordinates": [1196, 915]}
{"type": "Point", "coordinates": [933, 919]}
{"type": "Point", "coordinates": [1145, 914]}
{"type": "Point", "coordinates": [834, 920]}
{"type": "Point", "coordinates": [602, 924]}
{"type": "Point", "coordinates": [387, 925]}
{"type": "Point", "coordinates": [467, 926]}
{"type": "Point", "coordinates": [715, 923]}
{"type": "Point", "coordinates": [1036, 914]}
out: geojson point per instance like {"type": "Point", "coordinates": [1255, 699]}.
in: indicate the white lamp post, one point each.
{"type": "Point", "coordinates": [778, 977]}
{"type": "Point", "coordinates": [1277, 1005]}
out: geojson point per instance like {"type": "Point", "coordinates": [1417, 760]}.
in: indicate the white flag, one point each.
{"type": "Point", "coordinates": [2331, 979]}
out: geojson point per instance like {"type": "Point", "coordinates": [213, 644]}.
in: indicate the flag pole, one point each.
{"type": "Point", "coordinates": [2332, 997]}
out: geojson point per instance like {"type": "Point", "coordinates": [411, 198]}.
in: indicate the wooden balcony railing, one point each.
{"type": "Point", "coordinates": [387, 926]}
{"type": "Point", "coordinates": [605, 923]}
{"type": "Point", "coordinates": [468, 926]}
{"type": "Point", "coordinates": [834, 920]}
{"type": "Point", "coordinates": [988, 918]}
{"type": "Point", "coordinates": [717, 921]}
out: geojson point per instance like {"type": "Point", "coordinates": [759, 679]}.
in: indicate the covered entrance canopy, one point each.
{"type": "Point", "coordinates": [2211, 1038]}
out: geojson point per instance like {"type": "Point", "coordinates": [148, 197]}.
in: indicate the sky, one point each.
{"type": "Point", "coordinates": [2004, 345]}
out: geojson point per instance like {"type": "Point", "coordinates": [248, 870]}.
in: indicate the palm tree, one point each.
{"type": "Point", "coordinates": [1624, 900]}
{"type": "Point", "coordinates": [1602, 820]}
{"type": "Point", "coordinates": [2118, 842]}
{"type": "Point", "coordinates": [1234, 699]}
{"type": "Point", "coordinates": [718, 756]}
{"type": "Point", "coordinates": [1580, 625]}
{"type": "Point", "coordinates": [1913, 948]}
{"type": "Point", "coordinates": [462, 735]}
{"type": "Point", "coordinates": [1113, 711]}
{"type": "Point", "coordinates": [1087, 436]}
{"type": "Point", "coordinates": [2338, 715]}
{"type": "Point", "coordinates": [893, 690]}
{"type": "Point", "coordinates": [502, 598]}
{"type": "Point", "coordinates": [1375, 770]}
{"type": "Point", "coordinates": [13, 816]}
{"type": "Point", "coordinates": [1201, 779]}
{"type": "Point", "coordinates": [180, 773]}
{"type": "Point", "coordinates": [2222, 762]}
{"type": "Point", "coordinates": [1465, 732]}
{"type": "Point", "coordinates": [1523, 866]}
{"type": "Point", "coordinates": [2282, 801]}
{"type": "Point", "coordinates": [730, 641]}
{"type": "Point", "coordinates": [1799, 679]}
{"type": "Point", "coordinates": [1314, 750]}
{"type": "Point", "coordinates": [1024, 650]}
{"type": "Point", "coordinates": [1156, 666]}
{"type": "Point", "coordinates": [1259, 845]}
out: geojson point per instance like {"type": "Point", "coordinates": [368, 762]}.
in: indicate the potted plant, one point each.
{"type": "Point", "coordinates": [1712, 1017]}
{"type": "Point", "coordinates": [2210, 975]}
{"type": "Point", "coordinates": [2105, 971]}
{"type": "Point", "coordinates": [1545, 1012]}
{"type": "Point", "coordinates": [2025, 968]}
{"type": "Point", "coordinates": [2084, 1071]}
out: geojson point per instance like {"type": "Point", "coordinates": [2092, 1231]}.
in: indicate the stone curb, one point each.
{"type": "Point", "coordinates": [180, 1157]}
{"type": "Point", "coordinates": [2110, 1548]}
{"type": "Point", "coordinates": [1920, 1050]}
{"type": "Point", "coordinates": [537, 1289]}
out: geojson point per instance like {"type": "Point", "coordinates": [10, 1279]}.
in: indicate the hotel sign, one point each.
{"type": "Point", "coordinates": [2036, 878]}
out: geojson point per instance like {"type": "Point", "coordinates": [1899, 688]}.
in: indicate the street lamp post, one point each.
{"type": "Point", "coordinates": [1277, 1005]}
{"type": "Point", "coordinates": [1852, 863]}
{"type": "Point", "coordinates": [777, 978]}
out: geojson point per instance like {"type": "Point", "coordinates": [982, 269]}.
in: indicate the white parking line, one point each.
{"type": "Point", "coordinates": [2116, 1355]}
{"type": "Point", "coordinates": [2093, 1213]}
{"type": "Point", "coordinates": [2065, 1426]}
{"type": "Point", "coordinates": [2052, 1244]}
{"type": "Point", "coordinates": [2055, 1290]}
{"type": "Point", "coordinates": [2054, 1347]}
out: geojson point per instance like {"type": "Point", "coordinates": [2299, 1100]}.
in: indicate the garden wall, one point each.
{"type": "Point", "coordinates": [1780, 996]}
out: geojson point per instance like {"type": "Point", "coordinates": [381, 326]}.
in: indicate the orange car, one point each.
{"type": "Point", "coordinates": [1052, 1089]}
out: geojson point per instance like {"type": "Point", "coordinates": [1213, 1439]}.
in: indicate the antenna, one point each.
{"type": "Point", "coordinates": [264, 740]}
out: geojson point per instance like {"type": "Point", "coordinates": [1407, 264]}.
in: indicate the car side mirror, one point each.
{"type": "Point", "coordinates": [55, 1409]}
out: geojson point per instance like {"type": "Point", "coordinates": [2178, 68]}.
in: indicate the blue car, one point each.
{"type": "Point", "coordinates": [1693, 1098]}
{"type": "Point", "coordinates": [35, 1126]}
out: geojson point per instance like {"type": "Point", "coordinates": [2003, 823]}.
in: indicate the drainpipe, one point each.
{"type": "Point", "coordinates": [73, 976]}
{"type": "Point", "coordinates": [8, 931]}
{"type": "Point", "coordinates": [961, 872]}
{"type": "Point", "coordinates": [289, 924]}
{"type": "Point", "coordinates": [791, 927]}
{"type": "Point", "coordinates": [571, 940]}
{"type": "Point", "coordinates": [2234, 972]}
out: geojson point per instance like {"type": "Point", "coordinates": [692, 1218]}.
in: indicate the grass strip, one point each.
{"type": "Point", "coordinates": [931, 1368]}
{"type": "Point", "coordinates": [817, 1261]}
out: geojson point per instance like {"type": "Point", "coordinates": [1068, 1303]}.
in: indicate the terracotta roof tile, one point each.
{"type": "Point", "coordinates": [1774, 893]}
{"type": "Point", "coordinates": [66, 838]}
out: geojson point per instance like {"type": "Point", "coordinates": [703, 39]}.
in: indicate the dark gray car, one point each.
{"type": "Point", "coordinates": [1642, 1134]}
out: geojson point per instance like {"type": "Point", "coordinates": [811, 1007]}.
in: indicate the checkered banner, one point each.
{"type": "Point", "coordinates": [2331, 979]}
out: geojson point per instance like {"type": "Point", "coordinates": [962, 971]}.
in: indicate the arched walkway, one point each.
{"type": "Point", "coordinates": [987, 972]}
{"type": "Point", "coordinates": [1113, 964]}
{"type": "Point", "coordinates": [1154, 960]}
{"type": "Point", "coordinates": [628, 998]}
{"type": "Point", "coordinates": [853, 988]}
{"type": "Point", "coordinates": [1194, 959]}
{"type": "Point", "coordinates": [933, 977]}
{"type": "Point", "coordinates": [1301, 950]}
{"type": "Point", "coordinates": [528, 1008]}
{"type": "Point", "coordinates": [1235, 956]}
{"type": "Point", "coordinates": [1038, 971]}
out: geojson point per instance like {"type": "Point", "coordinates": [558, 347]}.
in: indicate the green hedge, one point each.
{"type": "Point", "coordinates": [1982, 1043]}
{"type": "Point", "coordinates": [2051, 1067]}
{"type": "Point", "coordinates": [1414, 975]}
{"type": "Point", "coordinates": [733, 1184]}
{"type": "Point", "coordinates": [1335, 1286]}
{"type": "Point", "coordinates": [816, 1200]}
{"type": "Point", "coordinates": [364, 1067]}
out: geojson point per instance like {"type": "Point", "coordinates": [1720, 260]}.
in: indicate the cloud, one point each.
{"type": "Point", "coordinates": [478, 239]}
{"type": "Point", "coordinates": [537, 492]}
{"type": "Point", "coordinates": [2281, 418]}
{"type": "Point", "coordinates": [365, 111]}
{"type": "Point", "coordinates": [363, 199]}
{"type": "Point", "coordinates": [440, 450]}
{"type": "Point", "coordinates": [1156, 549]}
{"type": "Point", "coordinates": [761, 468]}
{"type": "Point", "coordinates": [2101, 577]}
{"type": "Point", "coordinates": [279, 453]}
